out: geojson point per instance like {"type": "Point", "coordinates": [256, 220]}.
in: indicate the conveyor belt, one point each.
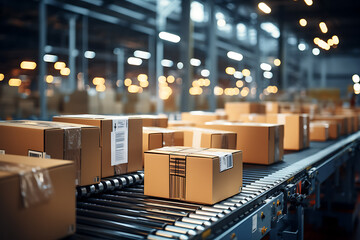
{"type": "Point", "coordinates": [117, 209]}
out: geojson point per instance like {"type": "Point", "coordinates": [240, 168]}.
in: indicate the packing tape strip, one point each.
{"type": "Point", "coordinates": [196, 142]}
{"type": "Point", "coordinates": [305, 131]}
{"type": "Point", "coordinates": [72, 149]}
{"type": "Point", "coordinates": [35, 183]}
{"type": "Point", "coordinates": [224, 141]}
{"type": "Point", "coordinates": [277, 144]}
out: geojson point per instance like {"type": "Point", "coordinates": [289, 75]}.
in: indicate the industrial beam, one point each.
{"type": "Point", "coordinates": [42, 64]}
{"type": "Point", "coordinates": [72, 55]}
{"type": "Point", "coordinates": [85, 40]}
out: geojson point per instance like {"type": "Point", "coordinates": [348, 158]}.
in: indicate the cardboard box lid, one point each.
{"type": "Point", "coordinates": [42, 125]}
{"type": "Point", "coordinates": [203, 113]}
{"type": "Point", "coordinates": [202, 130]}
{"type": "Point", "coordinates": [243, 124]}
{"type": "Point", "coordinates": [160, 116]}
{"type": "Point", "coordinates": [159, 130]}
{"type": "Point", "coordinates": [30, 161]}
{"type": "Point", "coordinates": [100, 117]}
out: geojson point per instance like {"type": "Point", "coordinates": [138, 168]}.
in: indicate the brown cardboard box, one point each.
{"type": "Point", "coordinates": [334, 128]}
{"type": "Point", "coordinates": [235, 109]}
{"type": "Point", "coordinates": [290, 107]}
{"type": "Point", "coordinates": [296, 129]}
{"type": "Point", "coordinates": [114, 130]}
{"type": "Point", "coordinates": [252, 117]}
{"type": "Point", "coordinates": [181, 174]}
{"type": "Point", "coordinates": [199, 117]}
{"type": "Point", "coordinates": [260, 143]}
{"type": "Point", "coordinates": [343, 122]}
{"type": "Point", "coordinates": [180, 123]}
{"type": "Point", "coordinates": [154, 137]}
{"type": "Point", "coordinates": [208, 138]}
{"type": "Point", "coordinates": [79, 143]}
{"type": "Point", "coordinates": [53, 217]}
{"type": "Point", "coordinates": [272, 107]}
{"type": "Point", "coordinates": [154, 120]}
{"type": "Point", "coordinates": [319, 131]}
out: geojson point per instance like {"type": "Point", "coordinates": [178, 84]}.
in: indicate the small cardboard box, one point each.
{"type": "Point", "coordinates": [343, 122]}
{"type": "Point", "coordinates": [180, 123]}
{"type": "Point", "coordinates": [319, 132]}
{"type": "Point", "coordinates": [235, 109]}
{"type": "Point", "coordinates": [261, 143]}
{"type": "Point", "coordinates": [208, 138]}
{"type": "Point", "coordinates": [199, 117]}
{"type": "Point", "coordinates": [252, 117]}
{"type": "Point", "coordinates": [154, 137]}
{"type": "Point", "coordinates": [272, 107]}
{"type": "Point", "coordinates": [296, 129]}
{"type": "Point", "coordinates": [120, 141]}
{"type": "Point", "coordinates": [181, 173]}
{"type": "Point", "coordinates": [334, 128]}
{"type": "Point", "coordinates": [79, 143]}
{"type": "Point", "coordinates": [45, 212]}
{"type": "Point", "coordinates": [160, 120]}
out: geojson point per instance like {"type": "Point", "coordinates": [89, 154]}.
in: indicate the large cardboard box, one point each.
{"type": "Point", "coordinates": [46, 211]}
{"type": "Point", "coordinates": [199, 117]}
{"type": "Point", "coordinates": [296, 129]}
{"type": "Point", "coordinates": [319, 131]}
{"type": "Point", "coordinates": [43, 139]}
{"type": "Point", "coordinates": [120, 141]}
{"type": "Point", "coordinates": [235, 109]}
{"type": "Point", "coordinates": [334, 128]}
{"type": "Point", "coordinates": [342, 120]}
{"type": "Point", "coordinates": [180, 123]}
{"type": "Point", "coordinates": [154, 120]}
{"type": "Point", "coordinates": [180, 173]}
{"type": "Point", "coordinates": [272, 107]}
{"type": "Point", "coordinates": [208, 138]}
{"type": "Point", "coordinates": [252, 117]}
{"type": "Point", "coordinates": [261, 143]}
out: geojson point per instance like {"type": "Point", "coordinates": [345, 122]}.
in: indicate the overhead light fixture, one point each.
{"type": "Point", "coordinates": [265, 66]}
{"type": "Point", "coordinates": [89, 54]}
{"type": "Point", "coordinates": [323, 27]}
{"type": "Point", "coordinates": [323, 44]}
{"type": "Point", "coordinates": [309, 2]}
{"type": "Point", "coordinates": [134, 61]}
{"type": "Point", "coordinates": [264, 7]}
{"type": "Point", "coordinates": [169, 37]}
{"type": "Point", "coordinates": [195, 62]}
{"type": "Point", "coordinates": [1, 77]}
{"type": "Point", "coordinates": [65, 71]}
{"type": "Point", "coordinates": [355, 78]}
{"type": "Point", "coordinates": [205, 73]}
{"type": "Point", "coordinates": [28, 65]}
{"type": "Point", "coordinates": [316, 51]}
{"type": "Point", "coordinates": [230, 70]}
{"type": "Point", "coordinates": [142, 54]}
{"type": "Point", "coordinates": [277, 62]}
{"type": "Point", "coordinates": [221, 22]}
{"type": "Point", "coordinates": [303, 22]}
{"type": "Point", "coordinates": [246, 72]}
{"type": "Point", "coordinates": [335, 39]}
{"type": "Point", "coordinates": [302, 46]}
{"type": "Point", "coordinates": [268, 75]}
{"type": "Point", "coordinates": [248, 79]}
{"type": "Point", "coordinates": [270, 28]}
{"type": "Point", "coordinates": [50, 58]}
{"type": "Point", "coordinates": [180, 65]}
{"type": "Point", "coordinates": [14, 82]}
{"type": "Point", "coordinates": [59, 65]}
{"type": "Point", "coordinates": [197, 12]}
{"type": "Point", "coordinates": [316, 40]}
{"type": "Point", "coordinates": [167, 63]}
{"type": "Point", "coordinates": [235, 56]}
{"type": "Point", "coordinates": [238, 75]}
{"type": "Point", "coordinates": [330, 42]}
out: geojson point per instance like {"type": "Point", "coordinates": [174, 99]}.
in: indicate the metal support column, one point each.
{"type": "Point", "coordinates": [72, 54]}
{"type": "Point", "coordinates": [310, 70]}
{"type": "Point", "coordinates": [283, 78]}
{"type": "Point", "coordinates": [259, 84]}
{"type": "Point", "coordinates": [212, 58]}
{"type": "Point", "coordinates": [323, 73]}
{"type": "Point", "coordinates": [152, 64]}
{"type": "Point", "coordinates": [42, 64]}
{"type": "Point", "coordinates": [85, 40]}
{"type": "Point", "coordinates": [160, 26]}
{"type": "Point", "coordinates": [120, 67]}
{"type": "Point", "coordinates": [186, 53]}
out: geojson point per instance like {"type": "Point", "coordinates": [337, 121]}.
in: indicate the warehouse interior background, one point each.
{"type": "Point", "coordinates": [170, 56]}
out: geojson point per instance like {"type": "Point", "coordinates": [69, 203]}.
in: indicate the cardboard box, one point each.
{"type": "Point", "coordinates": [261, 143]}
{"type": "Point", "coordinates": [319, 131]}
{"type": "Point", "coordinates": [115, 132]}
{"type": "Point", "coordinates": [341, 120]}
{"type": "Point", "coordinates": [208, 138]}
{"type": "Point", "coordinates": [272, 107]}
{"type": "Point", "coordinates": [53, 216]}
{"type": "Point", "coordinates": [199, 117]}
{"type": "Point", "coordinates": [79, 143]}
{"type": "Point", "coordinates": [154, 137]}
{"type": "Point", "coordinates": [154, 120]}
{"type": "Point", "coordinates": [235, 109]}
{"type": "Point", "coordinates": [252, 117]}
{"type": "Point", "coordinates": [181, 173]}
{"type": "Point", "coordinates": [296, 129]}
{"type": "Point", "coordinates": [180, 123]}
{"type": "Point", "coordinates": [334, 128]}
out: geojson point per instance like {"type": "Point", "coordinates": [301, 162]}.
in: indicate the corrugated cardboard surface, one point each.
{"type": "Point", "coordinates": [234, 109]}
{"type": "Point", "coordinates": [199, 168]}
{"type": "Point", "coordinates": [208, 138]}
{"type": "Point", "coordinates": [254, 140]}
{"type": "Point", "coordinates": [105, 124]}
{"type": "Point", "coordinates": [18, 137]}
{"type": "Point", "coordinates": [154, 120]}
{"type": "Point", "coordinates": [252, 117]}
{"type": "Point", "coordinates": [334, 128]}
{"type": "Point", "coordinates": [340, 119]}
{"type": "Point", "coordinates": [180, 123]}
{"type": "Point", "coordinates": [319, 132]}
{"type": "Point", "coordinates": [272, 107]}
{"type": "Point", "coordinates": [53, 219]}
{"type": "Point", "coordinates": [199, 118]}
{"type": "Point", "coordinates": [296, 129]}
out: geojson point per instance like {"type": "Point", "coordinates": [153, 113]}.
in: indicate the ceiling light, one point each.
{"type": "Point", "coordinates": [302, 46]}
{"type": "Point", "coordinates": [264, 7]}
{"type": "Point", "coordinates": [309, 2]}
{"type": "Point", "coordinates": [323, 27]}
{"type": "Point", "coordinates": [142, 54]}
{"type": "Point", "coordinates": [28, 65]}
{"type": "Point", "coordinates": [134, 61]}
{"type": "Point", "coordinates": [167, 63]}
{"type": "Point", "coordinates": [277, 62]}
{"type": "Point", "coordinates": [89, 54]}
{"type": "Point", "coordinates": [265, 66]}
{"type": "Point", "coordinates": [335, 39]}
{"type": "Point", "coordinates": [235, 56]}
{"type": "Point", "coordinates": [316, 51]}
{"type": "Point", "coordinates": [180, 65]}
{"type": "Point", "coordinates": [50, 58]}
{"type": "Point", "coordinates": [238, 74]}
{"type": "Point", "coordinates": [205, 73]}
{"type": "Point", "coordinates": [355, 78]}
{"type": "Point", "coordinates": [303, 22]}
{"type": "Point", "coordinates": [169, 37]}
{"type": "Point", "coordinates": [195, 62]}
{"type": "Point", "coordinates": [268, 75]}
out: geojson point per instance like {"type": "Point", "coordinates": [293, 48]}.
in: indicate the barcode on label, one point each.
{"type": "Point", "coordinates": [119, 142]}
{"type": "Point", "coordinates": [120, 146]}
{"type": "Point", "coordinates": [35, 154]}
{"type": "Point", "coordinates": [226, 162]}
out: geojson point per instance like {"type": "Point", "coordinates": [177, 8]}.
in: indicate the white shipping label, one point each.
{"type": "Point", "coordinates": [119, 142]}
{"type": "Point", "coordinates": [226, 162]}
{"type": "Point", "coordinates": [254, 223]}
{"type": "Point", "coordinates": [2, 152]}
